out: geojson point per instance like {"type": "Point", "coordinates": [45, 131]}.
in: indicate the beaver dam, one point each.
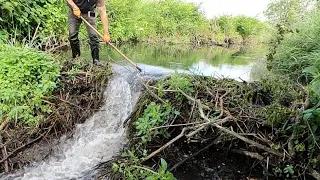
{"type": "Point", "coordinates": [203, 128]}
{"type": "Point", "coordinates": [180, 126]}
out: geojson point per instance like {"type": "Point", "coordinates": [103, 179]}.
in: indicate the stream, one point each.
{"type": "Point", "coordinates": [102, 136]}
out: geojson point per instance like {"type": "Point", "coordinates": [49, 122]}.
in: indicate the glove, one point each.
{"type": "Point", "coordinates": [106, 37]}
{"type": "Point", "coordinates": [77, 13]}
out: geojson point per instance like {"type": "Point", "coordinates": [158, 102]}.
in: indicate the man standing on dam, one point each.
{"type": "Point", "coordinates": [86, 9]}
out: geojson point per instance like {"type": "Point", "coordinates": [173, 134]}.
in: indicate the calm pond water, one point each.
{"type": "Point", "coordinates": [238, 62]}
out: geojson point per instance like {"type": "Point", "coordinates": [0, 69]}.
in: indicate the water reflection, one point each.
{"type": "Point", "coordinates": [237, 72]}
{"type": "Point", "coordinates": [236, 62]}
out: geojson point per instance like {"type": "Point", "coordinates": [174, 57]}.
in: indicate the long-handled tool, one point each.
{"type": "Point", "coordinates": [114, 47]}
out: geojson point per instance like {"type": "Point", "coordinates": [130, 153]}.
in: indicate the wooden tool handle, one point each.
{"type": "Point", "coordinates": [114, 47]}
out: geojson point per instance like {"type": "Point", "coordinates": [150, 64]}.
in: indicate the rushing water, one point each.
{"type": "Point", "coordinates": [102, 136]}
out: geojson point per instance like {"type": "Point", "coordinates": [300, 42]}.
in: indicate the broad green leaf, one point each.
{"type": "Point", "coordinates": [307, 116]}
{"type": "Point", "coordinates": [311, 70]}
{"type": "Point", "coordinates": [164, 164]}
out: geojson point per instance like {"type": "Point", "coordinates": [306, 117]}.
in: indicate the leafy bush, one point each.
{"type": "Point", "coordinates": [129, 20]}
{"type": "Point", "coordinates": [138, 19]}
{"type": "Point", "coordinates": [26, 77]}
{"type": "Point", "coordinates": [154, 115]}
{"type": "Point", "coordinates": [297, 56]}
{"type": "Point", "coordinates": [242, 26]}
{"type": "Point", "coordinates": [21, 18]}
{"type": "Point", "coordinates": [299, 50]}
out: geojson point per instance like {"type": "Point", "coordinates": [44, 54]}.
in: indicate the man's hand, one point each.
{"type": "Point", "coordinates": [77, 12]}
{"type": "Point", "coordinates": [106, 37]}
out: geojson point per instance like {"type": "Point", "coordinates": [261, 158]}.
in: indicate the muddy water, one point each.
{"type": "Point", "coordinates": [97, 140]}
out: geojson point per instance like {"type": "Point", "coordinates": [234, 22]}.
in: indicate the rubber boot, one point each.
{"type": "Point", "coordinates": [95, 57]}
{"type": "Point", "coordinates": [75, 48]}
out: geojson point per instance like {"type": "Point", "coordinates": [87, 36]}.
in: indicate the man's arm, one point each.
{"type": "Point", "coordinates": [104, 20]}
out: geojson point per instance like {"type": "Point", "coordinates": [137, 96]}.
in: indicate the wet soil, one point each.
{"type": "Point", "coordinates": [216, 164]}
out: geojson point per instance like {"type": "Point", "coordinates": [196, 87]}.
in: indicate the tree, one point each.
{"type": "Point", "coordinates": [287, 12]}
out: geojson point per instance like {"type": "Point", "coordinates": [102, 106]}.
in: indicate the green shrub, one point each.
{"type": "Point", "coordinates": [299, 50]}
{"type": "Point", "coordinates": [138, 19]}
{"type": "Point", "coordinates": [129, 20]}
{"type": "Point", "coordinates": [242, 26]}
{"type": "Point", "coordinates": [154, 115]}
{"type": "Point", "coordinates": [20, 18]}
{"type": "Point", "coordinates": [26, 77]}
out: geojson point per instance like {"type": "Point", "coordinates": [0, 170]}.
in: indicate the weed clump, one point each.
{"type": "Point", "coordinates": [27, 78]}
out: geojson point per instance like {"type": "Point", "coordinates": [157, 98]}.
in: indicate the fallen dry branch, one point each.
{"type": "Point", "coordinates": [314, 173]}
{"type": "Point", "coordinates": [205, 125]}
{"type": "Point", "coordinates": [174, 125]}
{"type": "Point", "coordinates": [166, 145]}
{"type": "Point", "coordinates": [4, 154]}
{"type": "Point", "coordinates": [151, 92]}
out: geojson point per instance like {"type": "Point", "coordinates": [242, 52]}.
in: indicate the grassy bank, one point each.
{"type": "Point", "coordinates": [295, 54]}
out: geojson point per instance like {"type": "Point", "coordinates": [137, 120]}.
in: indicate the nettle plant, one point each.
{"type": "Point", "coordinates": [26, 78]}
{"type": "Point", "coordinates": [154, 115]}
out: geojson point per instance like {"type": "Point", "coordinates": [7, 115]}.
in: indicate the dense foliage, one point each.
{"type": "Point", "coordinates": [129, 20]}
{"type": "Point", "coordinates": [165, 18]}
{"type": "Point", "coordinates": [295, 53]}
{"type": "Point", "coordinates": [26, 78]}
{"type": "Point", "coordinates": [287, 12]}
{"type": "Point", "coordinates": [239, 25]}
{"type": "Point", "coordinates": [19, 19]}
{"type": "Point", "coordinates": [300, 49]}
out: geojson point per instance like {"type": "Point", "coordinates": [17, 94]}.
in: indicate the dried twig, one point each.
{"type": "Point", "coordinates": [151, 92]}
{"type": "Point", "coordinates": [76, 73]}
{"type": "Point", "coordinates": [166, 145]}
{"type": "Point", "coordinates": [175, 125]}
{"type": "Point", "coordinates": [79, 106]}
{"type": "Point", "coordinates": [204, 125]}
{"type": "Point", "coordinates": [4, 123]}
{"type": "Point", "coordinates": [314, 173]}
{"type": "Point", "coordinates": [313, 136]}
{"type": "Point", "coordinates": [4, 153]}
{"type": "Point", "coordinates": [253, 143]}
